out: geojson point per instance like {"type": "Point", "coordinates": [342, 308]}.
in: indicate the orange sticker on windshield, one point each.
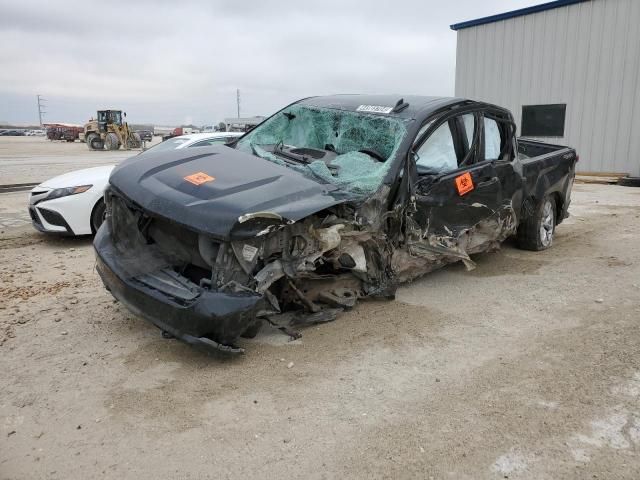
{"type": "Point", "coordinates": [199, 178]}
{"type": "Point", "coordinates": [464, 183]}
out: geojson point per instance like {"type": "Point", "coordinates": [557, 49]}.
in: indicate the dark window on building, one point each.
{"type": "Point", "coordinates": [543, 120]}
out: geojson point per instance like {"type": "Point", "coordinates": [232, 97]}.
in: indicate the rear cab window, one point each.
{"type": "Point", "coordinates": [492, 139]}
{"type": "Point", "coordinates": [498, 136]}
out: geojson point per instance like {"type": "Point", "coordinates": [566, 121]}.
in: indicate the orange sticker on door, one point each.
{"type": "Point", "coordinates": [464, 183]}
{"type": "Point", "coordinates": [199, 178]}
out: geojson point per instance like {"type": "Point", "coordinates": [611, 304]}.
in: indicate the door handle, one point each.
{"type": "Point", "coordinates": [487, 181]}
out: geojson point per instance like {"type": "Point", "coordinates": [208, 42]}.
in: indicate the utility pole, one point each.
{"type": "Point", "coordinates": [40, 107]}
{"type": "Point", "coordinates": [238, 100]}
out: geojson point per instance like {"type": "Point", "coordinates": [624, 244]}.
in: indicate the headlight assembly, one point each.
{"type": "Point", "coordinates": [65, 192]}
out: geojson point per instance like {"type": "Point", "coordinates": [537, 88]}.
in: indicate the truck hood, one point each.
{"type": "Point", "coordinates": [234, 184]}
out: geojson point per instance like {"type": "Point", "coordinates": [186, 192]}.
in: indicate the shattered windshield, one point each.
{"type": "Point", "coordinates": [352, 150]}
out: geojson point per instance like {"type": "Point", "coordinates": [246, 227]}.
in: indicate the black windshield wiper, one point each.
{"type": "Point", "coordinates": [278, 149]}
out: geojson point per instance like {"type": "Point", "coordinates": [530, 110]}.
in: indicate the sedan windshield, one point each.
{"type": "Point", "coordinates": [352, 150]}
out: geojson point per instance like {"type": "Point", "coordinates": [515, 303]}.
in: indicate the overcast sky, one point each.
{"type": "Point", "coordinates": [181, 61]}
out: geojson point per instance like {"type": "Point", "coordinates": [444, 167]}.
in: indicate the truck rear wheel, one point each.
{"type": "Point", "coordinates": [536, 232]}
{"type": "Point", "coordinates": [111, 141]}
{"type": "Point", "coordinates": [90, 140]}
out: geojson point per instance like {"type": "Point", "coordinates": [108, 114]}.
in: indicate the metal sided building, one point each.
{"type": "Point", "coordinates": [569, 70]}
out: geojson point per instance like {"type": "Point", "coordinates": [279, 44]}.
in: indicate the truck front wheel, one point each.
{"type": "Point", "coordinates": [111, 141]}
{"type": "Point", "coordinates": [134, 141]}
{"type": "Point", "coordinates": [536, 232]}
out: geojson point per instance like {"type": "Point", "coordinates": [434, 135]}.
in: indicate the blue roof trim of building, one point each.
{"type": "Point", "coordinates": [515, 13]}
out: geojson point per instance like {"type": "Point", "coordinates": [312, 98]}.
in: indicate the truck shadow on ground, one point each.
{"type": "Point", "coordinates": [389, 323]}
{"type": "Point", "coordinates": [380, 322]}
{"type": "Point", "coordinates": [193, 379]}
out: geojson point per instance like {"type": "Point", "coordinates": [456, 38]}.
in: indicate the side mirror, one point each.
{"type": "Point", "coordinates": [125, 114]}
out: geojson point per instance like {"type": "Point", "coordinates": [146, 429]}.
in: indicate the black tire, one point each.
{"type": "Point", "coordinates": [536, 232]}
{"type": "Point", "coordinates": [90, 140]}
{"type": "Point", "coordinates": [97, 215]}
{"type": "Point", "coordinates": [111, 141]}
{"type": "Point", "coordinates": [629, 181]}
{"type": "Point", "coordinates": [134, 141]}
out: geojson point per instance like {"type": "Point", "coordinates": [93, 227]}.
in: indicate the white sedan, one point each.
{"type": "Point", "coordinates": [72, 204]}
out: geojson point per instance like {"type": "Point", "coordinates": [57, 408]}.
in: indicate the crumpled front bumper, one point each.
{"type": "Point", "coordinates": [212, 320]}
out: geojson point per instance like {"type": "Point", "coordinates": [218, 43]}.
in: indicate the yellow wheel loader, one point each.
{"type": "Point", "coordinates": [109, 131]}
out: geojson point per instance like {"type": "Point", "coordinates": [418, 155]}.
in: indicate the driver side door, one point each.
{"type": "Point", "coordinates": [455, 188]}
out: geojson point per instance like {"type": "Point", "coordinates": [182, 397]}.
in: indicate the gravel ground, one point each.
{"type": "Point", "coordinates": [527, 367]}
{"type": "Point", "coordinates": [35, 159]}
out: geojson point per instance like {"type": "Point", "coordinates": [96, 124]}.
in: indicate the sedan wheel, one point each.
{"type": "Point", "coordinates": [98, 216]}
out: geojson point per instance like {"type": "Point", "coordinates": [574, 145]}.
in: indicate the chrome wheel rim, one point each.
{"type": "Point", "coordinates": [547, 224]}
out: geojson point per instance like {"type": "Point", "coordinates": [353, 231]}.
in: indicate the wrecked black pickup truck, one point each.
{"type": "Point", "coordinates": [330, 200]}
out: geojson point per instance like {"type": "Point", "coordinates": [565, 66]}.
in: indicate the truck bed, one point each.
{"type": "Point", "coordinates": [547, 169]}
{"type": "Point", "coordinates": [528, 148]}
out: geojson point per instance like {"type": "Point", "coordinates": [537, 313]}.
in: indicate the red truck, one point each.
{"type": "Point", "coordinates": [176, 132]}
{"type": "Point", "coordinates": [70, 134]}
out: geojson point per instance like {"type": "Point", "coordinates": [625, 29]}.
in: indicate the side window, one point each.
{"type": "Point", "coordinates": [492, 139]}
{"type": "Point", "coordinates": [207, 142]}
{"type": "Point", "coordinates": [469, 122]}
{"type": "Point", "coordinates": [437, 154]}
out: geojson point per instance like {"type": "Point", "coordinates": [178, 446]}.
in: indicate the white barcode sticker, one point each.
{"type": "Point", "coordinates": [374, 109]}
{"type": "Point", "coordinates": [249, 252]}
